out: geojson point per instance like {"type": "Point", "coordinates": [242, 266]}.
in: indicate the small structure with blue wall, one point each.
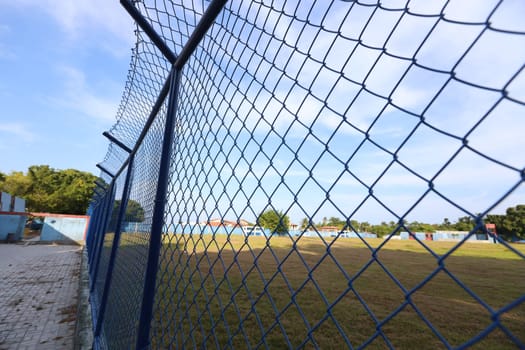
{"type": "Point", "coordinates": [12, 217]}
{"type": "Point", "coordinates": [12, 226]}
{"type": "Point", "coordinates": [64, 228]}
{"type": "Point", "coordinates": [5, 201]}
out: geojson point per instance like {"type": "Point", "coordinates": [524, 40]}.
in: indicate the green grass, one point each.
{"type": "Point", "coordinates": [208, 285]}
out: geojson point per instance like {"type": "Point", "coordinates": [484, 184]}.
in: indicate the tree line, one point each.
{"type": "Point", "coordinates": [46, 189]}
{"type": "Point", "coordinates": [465, 223]}
{"type": "Point", "coordinates": [510, 225]}
{"type": "Point", "coordinates": [69, 191]}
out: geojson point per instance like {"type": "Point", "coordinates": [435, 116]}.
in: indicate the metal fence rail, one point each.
{"type": "Point", "coordinates": [366, 111]}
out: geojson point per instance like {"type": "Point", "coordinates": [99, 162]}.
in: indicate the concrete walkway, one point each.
{"type": "Point", "coordinates": [38, 296]}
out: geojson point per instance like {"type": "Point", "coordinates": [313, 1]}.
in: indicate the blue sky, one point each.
{"type": "Point", "coordinates": [63, 66]}
{"type": "Point", "coordinates": [463, 178]}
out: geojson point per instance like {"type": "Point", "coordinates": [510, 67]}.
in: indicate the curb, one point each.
{"type": "Point", "coordinates": [83, 327]}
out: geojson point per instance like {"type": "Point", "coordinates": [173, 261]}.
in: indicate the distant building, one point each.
{"type": "Point", "coordinates": [253, 231]}
{"type": "Point", "coordinates": [328, 229]}
{"type": "Point", "coordinates": [226, 223]}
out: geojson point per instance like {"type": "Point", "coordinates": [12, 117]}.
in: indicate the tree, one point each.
{"type": "Point", "coordinates": [416, 226]}
{"type": "Point", "coordinates": [365, 226]}
{"type": "Point", "coordinates": [333, 221]}
{"type": "Point", "coordinates": [305, 223]}
{"type": "Point", "coordinates": [382, 229]}
{"type": "Point", "coordinates": [446, 225]}
{"type": "Point", "coordinates": [16, 184]}
{"type": "Point", "coordinates": [48, 190]}
{"type": "Point", "coordinates": [510, 225]}
{"type": "Point", "coordinates": [515, 220]}
{"type": "Point", "coordinates": [465, 223]}
{"type": "Point", "coordinates": [74, 191]}
{"type": "Point", "coordinates": [275, 221]}
{"type": "Point", "coordinates": [501, 226]}
{"type": "Point", "coordinates": [134, 211]}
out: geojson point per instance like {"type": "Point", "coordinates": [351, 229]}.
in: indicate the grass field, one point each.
{"type": "Point", "coordinates": [231, 292]}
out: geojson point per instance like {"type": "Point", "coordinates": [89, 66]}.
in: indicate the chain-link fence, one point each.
{"type": "Point", "coordinates": [314, 174]}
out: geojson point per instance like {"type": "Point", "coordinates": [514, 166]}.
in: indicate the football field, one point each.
{"type": "Point", "coordinates": [279, 293]}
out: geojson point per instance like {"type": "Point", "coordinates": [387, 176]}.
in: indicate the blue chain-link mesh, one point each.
{"type": "Point", "coordinates": [107, 242]}
{"type": "Point", "coordinates": [128, 283]}
{"type": "Point", "coordinates": [397, 112]}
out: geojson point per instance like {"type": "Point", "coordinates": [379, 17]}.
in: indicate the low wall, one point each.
{"type": "Point", "coordinates": [449, 236]}
{"type": "Point", "coordinates": [133, 227]}
{"type": "Point", "coordinates": [58, 227]}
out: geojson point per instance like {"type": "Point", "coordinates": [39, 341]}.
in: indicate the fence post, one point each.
{"type": "Point", "coordinates": [96, 231]}
{"type": "Point", "coordinates": [103, 227]}
{"type": "Point", "coordinates": [93, 222]}
{"type": "Point", "coordinates": [91, 212]}
{"type": "Point", "coordinates": [96, 226]}
{"type": "Point", "coordinates": [114, 248]}
{"type": "Point", "coordinates": [99, 239]}
{"type": "Point", "coordinates": [148, 297]}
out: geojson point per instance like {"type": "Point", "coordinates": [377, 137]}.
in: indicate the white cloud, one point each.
{"type": "Point", "coordinates": [17, 129]}
{"type": "Point", "coordinates": [5, 53]}
{"type": "Point", "coordinates": [81, 19]}
{"type": "Point", "coordinates": [81, 97]}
